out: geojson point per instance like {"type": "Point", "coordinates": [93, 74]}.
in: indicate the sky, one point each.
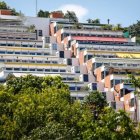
{"type": "Point", "coordinates": [124, 12]}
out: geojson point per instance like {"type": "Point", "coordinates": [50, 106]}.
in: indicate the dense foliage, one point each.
{"type": "Point", "coordinates": [42, 13]}
{"type": "Point", "coordinates": [41, 108]}
{"type": "Point", "coordinates": [71, 16]}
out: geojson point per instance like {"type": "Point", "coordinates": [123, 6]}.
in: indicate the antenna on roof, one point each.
{"type": "Point", "coordinates": [36, 7]}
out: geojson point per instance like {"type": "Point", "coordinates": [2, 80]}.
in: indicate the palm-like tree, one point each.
{"type": "Point", "coordinates": [71, 16]}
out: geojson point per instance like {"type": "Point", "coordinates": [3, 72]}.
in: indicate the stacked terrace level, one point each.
{"type": "Point", "coordinates": [108, 57]}
{"type": "Point", "coordinates": [23, 52]}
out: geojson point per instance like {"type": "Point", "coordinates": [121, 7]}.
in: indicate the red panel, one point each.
{"type": "Point", "coordinates": [109, 39]}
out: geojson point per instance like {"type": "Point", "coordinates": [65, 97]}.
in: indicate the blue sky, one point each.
{"type": "Point", "coordinates": [125, 12]}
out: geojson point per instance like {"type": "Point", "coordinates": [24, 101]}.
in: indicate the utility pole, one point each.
{"type": "Point", "coordinates": [36, 8]}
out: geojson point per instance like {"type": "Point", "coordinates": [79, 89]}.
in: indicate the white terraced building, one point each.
{"type": "Point", "coordinates": [23, 52]}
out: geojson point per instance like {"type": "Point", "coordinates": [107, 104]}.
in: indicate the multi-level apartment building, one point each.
{"type": "Point", "coordinates": [86, 56]}
{"type": "Point", "coordinates": [27, 48]}
{"type": "Point", "coordinates": [107, 56]}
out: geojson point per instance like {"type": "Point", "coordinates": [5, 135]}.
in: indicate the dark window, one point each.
{"type": "Point", "coordinates": [69, 61]}
{"type": "Point", "coordinates": [61, 70]}
{"type": "Point", "coordinates": [55, 70]}
{"type": "Point", "coordinates": [25, 53]}
{"type": "Point", "coordinates": [98, 65]}
{"type": "Point", "coordinates": [24, 45]}
{"type": "Point", "coordinates": [38, 46]}
{"type": "Point", "coordinates": [47, 39]}
{"type": "Point", "coordinates": [117, 82]}
{"type": "Point", "coordinates": [102, 75]}
{"type": "Point", "coordinates": [112, 83]}
{"type": "Point", "coordinates": [54, 62]}
{"type": "Point", "coordinates": [46, 53]}
{"type": "Point", "coordinates": [31, 53]}
{"type": "Point", "coordinates": [47, 70]}
{"type": "Point", "coordinates": [72, 88]}
{"type": "Point", "coordinates": [9, 52]}
{"type": "Point", "coordinates": [2, 52]}
{"type": "Point", "coordinates": [61, 54]}
{"type": "Point", "coordinates": [78, 88]}
{"type": "Point", "coordinates": [16, 69]}
{"type": "Point", "coordinates": [38, 53]}
{"type": "Point", "coordinates": [39, 69]}
{"type": "Point", "coordinates": [39, 32]}
{"type": "Point", "coordinates": [85, 77]}
{"type": "Point", "coordinates": [132, 102]}
{"type": "Point", "coordinates": [17, 52]}
{"type": "Point", "coordinates": [90, 56]}
{"type": "Point", "coordinates": [24, 69]}
{"type": "Point", "coordinates": [32, 69]}
{"type": "Point", "coordinates": [8, 68]}
{"type": "Point", "coordinates": [94, 86]}
{"type": "Point", "coordinates": [1, 60]}
{"type": "Point", "coordinates": [121, 92]}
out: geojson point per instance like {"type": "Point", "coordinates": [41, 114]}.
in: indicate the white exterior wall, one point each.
{"type": "Point", "coordinates": [67, 54]}
{"type": "Point", "coordinates": [75, 62]}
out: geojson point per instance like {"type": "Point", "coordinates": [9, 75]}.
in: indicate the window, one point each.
{"type": "Point", "coordinates": [47, 70]}
{"type": "Point", "coordinates": [32, 69]}
{"type": "Point", "coordinates": [8, 68]}
{"type": "Point", "coordinates": [24, 45]}
{"type": "Point", "coordinates": [72, 88]}
{"type": "Point", "coordinates": [1, 60]}
{"type": "Point", "coordinates": [62, 70]}
{"type": "Point", "coordinates": [17, 69]}
{"type": "Point", "coordinates": [39, 46]}
{"type": "Point", "coordinates": [54, 70]}
{"type": "Point", "coordinates": [121, 92]}
{"type": "Point", "coordinates": [47, 39]}
{"type": "Point", "coordinates": [132, 102]}
{"type": "Point", "coordinates": [69, 61]}
{"type": "Point", "coordinates": [32, 53]}
{"type": "Point", "coordinates": [117, 82]}
{"type": "Point", "coordinates": [2, 52]}
{"type": "Point", "coordinates": [61, 54]}
{"type": "Point", "coordinates": [40, 33]}
{"type": "Point", "coordinates": [9, 52]}
{"type": "Point", "coordinates": [112, 83]}
{"type": "Point", "coordinates": [39, 61]}
{"type": "Point", "coordinates": [17, 52]}
{"type": "Point", "coordinates": [24, 69]}
{"type": "Point", "coordinates": [54, 46]}
{"type": "Point", "coordinates": [46, 53]}
{"type": "Point", "coordinates": [24, 53]}
{"type": "Point", "coordinates": [85, 77]}
{"type": "Point", "coordinates": [102, 75]}
{"type": "Point", "coordinates": [38, 53]}
{"type": "Point", "coordinates": [39, 69]}
{"type": "Point", "coordinates": [98, 65]}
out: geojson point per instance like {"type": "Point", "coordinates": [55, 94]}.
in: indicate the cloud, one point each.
{"type": "Point", "coordinates": [78, 9]}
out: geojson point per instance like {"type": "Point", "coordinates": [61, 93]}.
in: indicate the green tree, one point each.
{"type": "Point", "coordinates": [3, 5]}
{"type": "Point", "coordinates": [71, 16]}
{"type": "Point", "coordinates": [96, 21]}
{"type": "Point", "coordinates": [42, 13]}
{"type": "Point", "coordinates": [96, 102]}
{"type": "Point", "coordinates": [40, 108]}
{"type": "Point", "coordinates": [135, 29]}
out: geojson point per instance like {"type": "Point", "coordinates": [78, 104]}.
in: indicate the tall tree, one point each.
{"type": "Point", "coordinates": [71, 16]}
